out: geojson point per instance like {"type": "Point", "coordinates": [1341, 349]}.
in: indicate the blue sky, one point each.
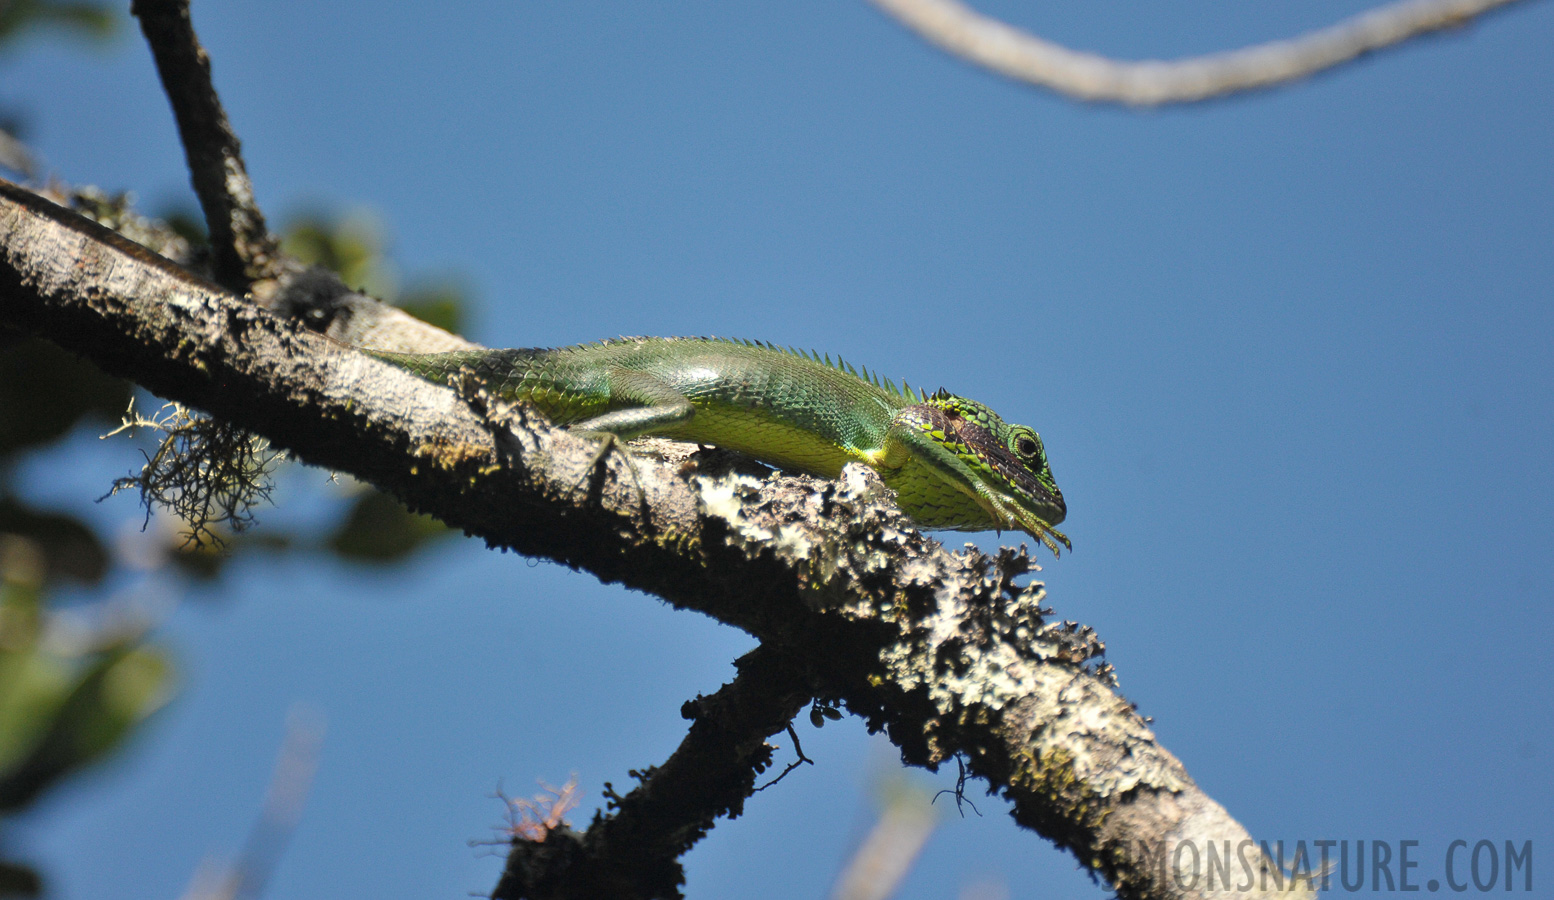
{"type": "Point", "coordinates": [1289, 354]}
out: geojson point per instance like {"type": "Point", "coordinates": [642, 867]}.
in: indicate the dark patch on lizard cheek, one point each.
{"type": "Point", "coordinates": [936, 418]}
{"type": "Point", "coordinates": [969, 432]}
{"type": "Point", "coordinates": [997, 455]}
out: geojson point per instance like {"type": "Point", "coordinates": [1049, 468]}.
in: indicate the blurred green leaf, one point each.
{"type": "Point", "coordinates": [187, 223]}
{"type": "Point", "coordinates": [206, 561]}
{"type": "Point", "coordinates": [380, 529]}
{"type": "Point", "coordinates": [33, 689]}
{"type": "Point", "coordinates": [438, 303]}
{"type": "Point", "coordinates": [32, 686]}
{"type": "Point", "coordinates": [67, 696]}
{"type": "Point", "coordinates": [17, 880]}
{"type": "Point", "coordinates": [352, 246]}
{"type": "Point", "coordinates": [117, 690]}
{"type": "Point", "coordinates": [44, 391]}
{"type": "Point", "coordinates": [93, 21]}
{"type": "Point", "coordinates": [70, 549]}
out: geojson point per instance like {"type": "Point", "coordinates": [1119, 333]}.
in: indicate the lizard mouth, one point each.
{"type": "Point", "coordinates": [1015, 515]}
{"type": "Point", "coordinates": [1032, 507]}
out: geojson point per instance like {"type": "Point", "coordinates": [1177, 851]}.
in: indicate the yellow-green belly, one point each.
{"type": "Point", "coordinates": [758, 434]}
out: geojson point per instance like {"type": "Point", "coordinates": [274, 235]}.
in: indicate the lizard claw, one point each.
{"type": "Point", "coordinates": [609, 441]}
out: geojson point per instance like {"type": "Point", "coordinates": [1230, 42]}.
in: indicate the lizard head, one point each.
{"type": "Point", "coordinates": [1013, 485]}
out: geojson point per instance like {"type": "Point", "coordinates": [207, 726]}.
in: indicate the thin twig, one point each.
{"type": "Point", "coordinates": [241, 246]}
{"type": "Point", "coordinates": [956, 28]}
{"type": "Point", "coordinates": [798, 750]}
{"type": "Point", "coordinates": [534, 820]}
{"type": "Point", "coordinates": [960, 790]}
{"type": "Point", "coordinates": [295, 766]}
{"type": "Point", "coordinates": [885, 858]}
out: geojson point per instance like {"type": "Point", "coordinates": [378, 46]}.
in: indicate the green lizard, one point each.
{"type": "Point", "coordinates": [952, 462]}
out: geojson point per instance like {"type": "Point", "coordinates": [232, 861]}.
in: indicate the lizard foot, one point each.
{"type": "Point", "coordinates": [609, 441]}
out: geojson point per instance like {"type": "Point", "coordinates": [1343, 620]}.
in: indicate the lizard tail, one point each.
{"type": "Point", "coordinates": [501, 369]}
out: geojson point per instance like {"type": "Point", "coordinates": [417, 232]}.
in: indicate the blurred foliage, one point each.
{"type": "Point", "coordinates": [70, 693]}
{"type": "Point", "coordinates": [69, 549]}
{"type": "Point", "coordinates": [352, 246]}
{"type": "Point", "coordinates": [93, 21]}
{"type": "Point", "coordinates": [66, 698]}
{"type": "Point", "coordinates": [45, 391]}
{"type": "Point", "coordinates": [355, 248]}
{"type": "Point", "coordinates": [379, 529]}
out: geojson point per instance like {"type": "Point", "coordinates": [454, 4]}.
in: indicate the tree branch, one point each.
{"type": "Point", "coordinates": [633, 853]}
{"type": "Point", "coordinates": [956, 28]}
{"type": "Point", "coordinates": [944, 651]}
{"type": "Point", "coordinates": [242, 249]}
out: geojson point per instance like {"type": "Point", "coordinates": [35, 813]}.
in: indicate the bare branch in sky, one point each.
{"type": "Point", "coordinates": [988, 42]}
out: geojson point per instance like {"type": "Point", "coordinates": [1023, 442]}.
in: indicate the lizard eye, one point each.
{"type": "Point", "coordinates": [1026, 446]}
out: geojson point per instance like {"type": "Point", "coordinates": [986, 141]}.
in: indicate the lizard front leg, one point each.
{"type": "Point", "coordinates": [657, 407]}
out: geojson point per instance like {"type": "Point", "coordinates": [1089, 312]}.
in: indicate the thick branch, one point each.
{"type": "Point", "coordinates": [956, 28]}
{"type": "Point", "coordinates": [242, 249]}
{"type": "Point", "coordinates": [943, 650]}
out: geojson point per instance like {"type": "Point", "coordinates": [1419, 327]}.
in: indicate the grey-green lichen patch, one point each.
{"type": "Point", "coordinates": [1105, 741]}
{"type": "Point", "coordinates": [865, 538]}
{"type": "Point", "coordinates": [986, 659]}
